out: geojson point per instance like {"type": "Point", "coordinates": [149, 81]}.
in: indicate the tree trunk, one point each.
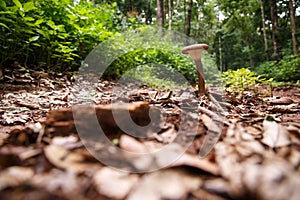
{"type": "Point", "coordinates": [264, 29]}
{"type": "Point", "coordinates": [293, 25]}
{"type": "Point", "coordinates": [274, 19]}
{"type": "Point", "coordinates": [187, 27]}
{"type": "Point", "coordinates": [170, 2]}
{"type": "Point", "coordinates": [148, 12]}
{"type": "Point", "coordinates": [160, 13]}
{"type": "Point", "coordinates": [250, 54]}
{"type": "Point", "coordinates": [197, 34]}
{"type": "Point", "coordinates": [220, 54]}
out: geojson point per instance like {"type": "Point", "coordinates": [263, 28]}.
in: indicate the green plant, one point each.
{"type": "Point", "coordinates": [157, 76]}
{"type": "Point", "coordinates": [237, 81]}
{"type": "Point", "coordinates": [148, 45]}
{"type": "Point", "coordinates": [54, 33]}
{"type": "Point", "coordinates": [286, 70]}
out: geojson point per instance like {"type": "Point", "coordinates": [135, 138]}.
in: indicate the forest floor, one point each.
{"type": "Point", "coordinates": [257, 155]}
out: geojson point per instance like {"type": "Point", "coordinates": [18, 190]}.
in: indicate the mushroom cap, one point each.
{"type": "Point", "coordinates": [193, 47]}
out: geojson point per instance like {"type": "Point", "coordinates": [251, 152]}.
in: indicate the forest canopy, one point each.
{"type": "Point", "coordinates": [58, 34]}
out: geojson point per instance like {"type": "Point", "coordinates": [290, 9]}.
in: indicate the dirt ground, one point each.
{"type": "Point", "coordinates": [42, 156]}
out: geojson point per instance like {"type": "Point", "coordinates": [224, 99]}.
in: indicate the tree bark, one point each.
{"type": "Point", "coordinates": [170, 2]}
{"type": "Point", "coordinates": [160, 13]}
{"type": "Point", "coordinates": [250, 54]}
{"type": "Point", "coordinates": [148, 12]}
{"type": "Point", "coordinates": [264, 29]}
{"type": "Point", "coordinates": [197, 34]}
{"type": "Point", "coordinates": [293, 26]}
{"type": "Point", "coordinates": [274, 19]}
{"type": "Point", "coordinates": [220, 54]}
{"type": "Point", "coordinates": [187, 27]}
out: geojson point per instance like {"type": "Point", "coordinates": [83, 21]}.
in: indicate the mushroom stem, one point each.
{"type": "Point", "coordinates": [201, 80]}
{"type": "Point", "coordinates": [195, 51]}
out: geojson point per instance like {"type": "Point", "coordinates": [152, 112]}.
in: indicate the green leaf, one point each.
{"type": "Point", "coordinates": [270, 118]}
{"type": "Point", "coordinates": [7, 20]}
{"type": "Point", "coordinates": [38, 22]}
{"type": "Point", "coordinates": [36, 44]}
{"type": "Point", "coordinates": [29, 19]}
{"type": "Point", "coordinates": [6, 12]}
{"type": "Point", "coordinates": [3, 5]}
{"type": "Point", "coordinates": [17, 3]}
{"type": "Point", "coordinates": [21, 12]}
{"type": "Point", "coordinates": [29, 6]}
{"type": "Point", "coordinates": [51, 24]}
{"type": "Point", "coordinates": [1, 24]}
{"type": "Point", "coordinates": [34, 38]}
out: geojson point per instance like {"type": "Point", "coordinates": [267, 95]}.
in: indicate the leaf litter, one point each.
{"type": "Point", "coordinates": [41, 155]}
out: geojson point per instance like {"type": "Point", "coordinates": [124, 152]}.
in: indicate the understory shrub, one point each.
{"type": "Point", "coordinates": [237, 81]}
{"type": "Point", "coordinates": [54, 33]}
{"type": "Point", "coordinates": [286, 70]}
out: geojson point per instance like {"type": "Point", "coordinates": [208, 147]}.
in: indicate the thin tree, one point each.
{"type": "Point", "coordinates": [264, 29]}
{"type": "Point", "coordinates": [293, 26]}
{"type": "Point", "coordinates": [274, 19]}
{"type": "Point", "coordinates": [187, 26]}
{"type": "Point", "coordinates": [149, 12]}
{"type": "Point", "coordinates": [160, 14]}
{"type": "Point", "coordinates": [170, 2]}
{"type": "Point", "coordinates": [171, 11]}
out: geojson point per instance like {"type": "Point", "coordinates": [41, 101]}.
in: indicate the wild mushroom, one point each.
{"type": "Point", "coordinates": [195, 51]}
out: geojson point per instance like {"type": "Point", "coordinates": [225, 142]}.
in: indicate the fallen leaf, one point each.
{"type": "Point", "coordinates": [173, 155]}
{"type": "Point", "coordinates": [65, 159]}
{"type": "Point", "coordinates": [167, 136]}
{"type": "Point", "coordinates": [282, 101]}
{"type": "Point", "coordinates": [173, 183]}
{"type": "Point", "coordinates": [256, 132]}
{"type": "Point", "coordinates": [130, 144]}
{"type": "Point", "coordinates": [274, 135]}
{"type": "Point", "coordinates": [14, 176]}
{"type": "Point", "coordinates": [57, 180]}
{"type": "Point", "coordinates": [113, 183]}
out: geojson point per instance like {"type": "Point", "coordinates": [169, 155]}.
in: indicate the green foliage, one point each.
{"type": "Point", "coordinates": [148, 46]}
{"type": "Point", "coordinates": [287, 69]}
{"type": "Point", "coordinates": [242, 79]}
{"type": "Point", "coordinates": [52, 32]}
{"type": "Point", "coordinates": [172, 59]}
{"type": "Point", "coordinates": [158, 76]}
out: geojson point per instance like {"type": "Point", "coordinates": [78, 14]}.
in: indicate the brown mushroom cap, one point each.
{"type": "Point", "coordinates": [193, 47]}
{"type": "Point", "coordinates": [195, 51]}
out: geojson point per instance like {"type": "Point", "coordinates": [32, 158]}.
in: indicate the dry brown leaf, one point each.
{"type": "Point", "coordinates": [166, 184]}
{"type": "Point", "coordinates": [114, 184]}
{"type": "Point", "coordinates": [62, 158]}
{"type": "Point", "coordinates": [202, 194]}
{"type": "Point", "coordinates": [174, 156]}
{"type": "Point", "coordinates": [273, 179]}
{"type": "Point", "coordinates": [209, 123]}
{"type": "Point", "coordinates": [68, 142]}
{"type": "Point", "coordinates": [275, 135]}
{"type": "Point", "coordinates": [57, 180]}
{"type": "Point", "coordinates": [14, 176]}
{"type": "Point", "coordinates": [130, 144]}
{"type": "Point", "coordinates": [282, 101]}
{"type": "Point", "coordinates": [167, 136]}
{"type": "Point", "coordinates": [214, 124]}
{"type": "Point", "coordinates": [253, 130]}
{"type": "Point", "coordinates": [217, 185]}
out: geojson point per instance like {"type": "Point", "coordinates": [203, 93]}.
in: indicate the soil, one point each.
{"type": "Point", "coordinates": [41, 157]}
